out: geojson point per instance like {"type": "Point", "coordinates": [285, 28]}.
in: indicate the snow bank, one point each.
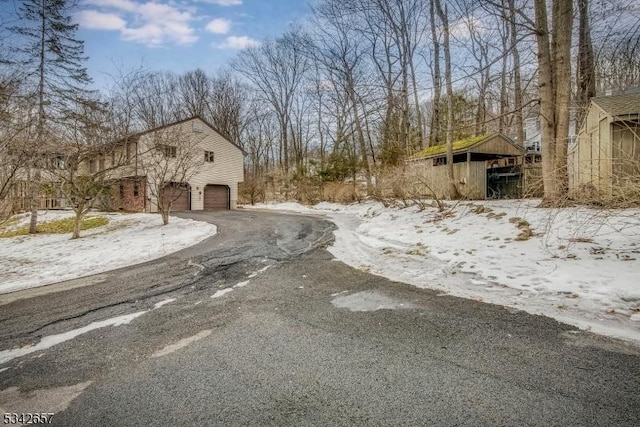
{"type": "Point", "coordinates": [580, 265]}
{"type": "Point", "coordinates": [31, 261]}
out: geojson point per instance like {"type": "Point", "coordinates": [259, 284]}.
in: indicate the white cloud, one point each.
{"type": "Point", "coordinates": [238, 42]}
{"type": "Point", "coordinates": [100, 21]}
{"type": "Point", "coordinates": [225, 2]}
{"type": "Point", "coordinates": [127, 5]}
{"type": "Point", "coordinates": [150, 23]}
{"type": "Point", "coordinates": [461, 29]}
{"type": "Point", "coordinates": [219, 26]}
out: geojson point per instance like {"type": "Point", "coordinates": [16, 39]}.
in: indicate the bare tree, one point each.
{"type": "Point", "coordinates": [437, 79]}
{"type": "Point", "coordinates": [517, 72]}
{"type": "Point", "coordinates": [195, 93]}
{"type": "Point", "coordinates": [227, 105]}
{"type": "Point", "coordinates": [341, 53]}
{"type": "Point", "coordinates": [154, 99]}
{"type": "Point", "coordinates": [585, 70]}
{"type": "Point", "coordinates": [276, 69]}
{"type": "Point", "coordinates": [446, 45]}
{"type": "Point", "coordinates": [169, 157]}
{"type": "Point", "coordinates": [16, 130]}
{"type": "Point", "coordinates": [53, 57]}
{"type": "Point", "coordinates": [83, 164]}
{"type": "Point", "coordinates": [554, 82]}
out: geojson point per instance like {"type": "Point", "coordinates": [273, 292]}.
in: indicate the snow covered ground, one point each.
{"type": "Point", "coordinates": [579, 265]}
{"type": "Point", "coordinates": [31, 261]}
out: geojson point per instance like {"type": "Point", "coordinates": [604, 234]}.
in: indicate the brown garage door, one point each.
{"type": "Point", "coordinates": [178, 196]}
{"type": "Point", "coordinates": [216, 197]}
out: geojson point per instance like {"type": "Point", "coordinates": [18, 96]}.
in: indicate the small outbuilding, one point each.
{"type": "Point", "coordinates": [605, 162]}
{"type": "Point", "coordinates": [487, 166]}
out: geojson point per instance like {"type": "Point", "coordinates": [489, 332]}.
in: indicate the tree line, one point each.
{"type": "Point", "coordinates": [357, 87]}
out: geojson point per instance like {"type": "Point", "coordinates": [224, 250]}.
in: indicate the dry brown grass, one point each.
{"type": "Point", "coordinates": [340, 192]}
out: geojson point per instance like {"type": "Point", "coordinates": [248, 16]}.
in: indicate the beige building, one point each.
{"type": "Point", "coordinates": [187, 164]}
{"type": "Point", "coordinates": [605, 162]}
{"type": "Point", "coordinates": [197, 167]}
{"type": "Point", "coordinates": [484, 167]}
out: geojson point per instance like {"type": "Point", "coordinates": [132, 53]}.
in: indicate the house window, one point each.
{"type": "Point", "coordinates": [122, 190]}
{"type": "Point", "coordinates": [58, 162]}
{"type": "Point", "coordinates": [93, 166]}
{"type": "Point", "coordinates": [101, 163]}
{"type": "Point", "coordinates": [167, 150]}
{"type": "Point", "coordinates": [136, 189]}
{"type": "Point", "coordinates": [131, 150]}
{"type": "Point", "coordinates": [208, 156]}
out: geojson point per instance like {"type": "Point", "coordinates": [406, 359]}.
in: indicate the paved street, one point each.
{"type": "Point", "coordinates": [294, 337]}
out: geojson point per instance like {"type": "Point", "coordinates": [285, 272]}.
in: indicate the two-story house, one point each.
{"type": "Point", "coordinates": [187, 163]}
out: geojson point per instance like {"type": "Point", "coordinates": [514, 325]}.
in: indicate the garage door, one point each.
{"type": "Point", "coordinates": [216, 197]}
{"type": "Point", "coordinates": [178, 196]}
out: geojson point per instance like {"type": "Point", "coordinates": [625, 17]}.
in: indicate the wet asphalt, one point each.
{"type": "Point", "coordinates": [294, 337]}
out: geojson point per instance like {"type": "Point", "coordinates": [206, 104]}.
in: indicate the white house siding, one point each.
{"type": "Point", "coordinates": [227, 168]}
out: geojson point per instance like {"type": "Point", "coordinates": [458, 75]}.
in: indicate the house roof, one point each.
{"type": "Point", "coordinates": [460, 146]}
{"type": "Point", "coordinates": [139, 134]}
{"type": "Point", "coordinates": [619, 105]}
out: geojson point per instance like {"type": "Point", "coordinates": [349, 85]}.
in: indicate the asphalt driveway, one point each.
{"type": "Point", "coordinates": [260, 326]}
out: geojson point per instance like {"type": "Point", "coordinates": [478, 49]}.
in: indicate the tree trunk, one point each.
{"type": "Point", "coordinates": [35, 196]}
{"type": "Point", "coordinates": [563, 19]}
{"type": "Point", "coordinates": [546, 93]}
{"type": "Point", "coordinates": [361, 142]}
{"type": "Point", "coordinates": [35, 184]}
{"type": "Point", "coordinates": [416, 100]}
{"type": "Point", "coordinates": [77, 222]}
{"type": "Point", "coordinates": [434, 136]}
{"type": "Point", "coordinates": [586, 77]}
{"type": "Point", "coordinates": [453, 188]}
{"type": "Point", "coordinates": [517, 77]}
{"type": "Point", "coordinates": [554, 83]}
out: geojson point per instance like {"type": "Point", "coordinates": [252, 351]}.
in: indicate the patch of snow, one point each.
{"type": "Point", "coordinates": [51, 340]}
{"type": "Point", "coordinates": [181, 344]}
{"type": "Point", "coordinates": [54, 399]}
{"type": "Point", "coordinates": [221, 292]}
{"type": "Point", "coordinates": [338, 293]}
{"type": "Point", "coordinates": [38, 260]}
{"type": "Point", "coordinates": [165, 302]}
{"type": "Point", "coordinates": [3, 369]}
{"type": "Point", "coordinates": [580, 265]}
{"type": "Point", "coordinates": [242, 284]}
{"type": "Point", "coordinates": [368, 301]}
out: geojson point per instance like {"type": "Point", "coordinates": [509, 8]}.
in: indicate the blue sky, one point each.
{"type": "Point", "coordinates": [177, 35]}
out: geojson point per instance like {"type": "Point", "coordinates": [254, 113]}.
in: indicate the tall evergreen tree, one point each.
{"type": "Point", "coordinates": [52, 59]}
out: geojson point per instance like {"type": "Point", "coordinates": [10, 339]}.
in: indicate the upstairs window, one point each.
{"type": "Point", "coordinates": [167, 151]}
{"type": "Point", "coordinates": [93, 166]}
{"type": "Point", "coordinates": [208, 156]}
{"type": "Point", "coordinates": [131, 150]}
{"type": "Point", "coordinates": [58, 162]}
